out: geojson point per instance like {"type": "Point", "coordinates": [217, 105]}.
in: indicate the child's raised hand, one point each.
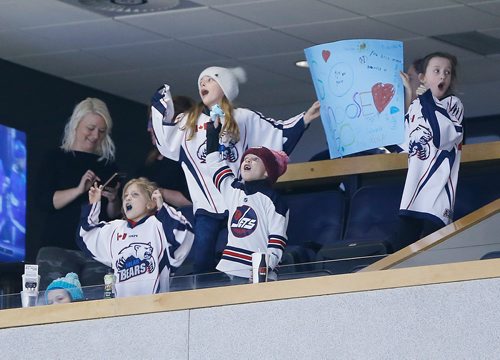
{"type": "Point", "coordinates": [217, 115]}
{"type": "Point", "coordinates": [406, 79]}
{"type": "Point", "coordinates": [157, 198]}
{"type": "Point", "coordinates": [95, 193]}
{"type": "Point", "coordinates": [421, 89]}
{"type": "Point", "coordinates": [312, 113]}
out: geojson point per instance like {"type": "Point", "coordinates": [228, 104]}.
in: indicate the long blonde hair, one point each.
{"type": "Point", "coordinates": [90, 106]}
{"type": "Point", "coordinates": [230, 124]}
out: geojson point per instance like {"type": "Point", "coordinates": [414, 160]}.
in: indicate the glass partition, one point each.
{"type": "Point", "coordinates": [475, 242]}
{"type": "Point", "coordinates": [217, 279]}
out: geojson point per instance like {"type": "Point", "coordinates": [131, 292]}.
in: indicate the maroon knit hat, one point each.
{"type": "Point", "coordinates": [274, 161]}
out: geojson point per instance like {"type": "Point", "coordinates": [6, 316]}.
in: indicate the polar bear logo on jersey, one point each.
{"type": "Point", "coordinates": [227, 148]}
{"type": "Point", "coordinates": [135, 259]}
{"type": "Point", "coordinates": [419, 142]}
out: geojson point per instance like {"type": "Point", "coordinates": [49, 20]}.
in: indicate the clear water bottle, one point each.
{"type": "Point", "coordinates": [109, 284]}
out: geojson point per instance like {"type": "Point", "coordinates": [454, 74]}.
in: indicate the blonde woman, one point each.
{"type": "Point", "coordinates": [86, 155]}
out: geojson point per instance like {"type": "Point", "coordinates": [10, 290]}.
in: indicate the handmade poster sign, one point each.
{"type": "Point", "coordinates": [361, 93]}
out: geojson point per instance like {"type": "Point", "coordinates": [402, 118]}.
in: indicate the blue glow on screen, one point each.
{"type": "Point", "coordinates": [12, 194]}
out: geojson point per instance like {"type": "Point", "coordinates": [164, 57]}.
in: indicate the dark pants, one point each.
{"type": "Point", "coordinates": [206, 233]}
{"type": "Point", "coordinates": [412, 229]}
{"type": "Point", "coordinates": [55, 262]}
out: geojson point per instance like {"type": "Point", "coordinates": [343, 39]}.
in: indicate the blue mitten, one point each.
{"type": "Point", "coordinates": [216, 112]}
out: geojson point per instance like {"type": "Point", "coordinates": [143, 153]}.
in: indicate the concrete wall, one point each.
{"type": "Point", "coordinates": [455, 320]}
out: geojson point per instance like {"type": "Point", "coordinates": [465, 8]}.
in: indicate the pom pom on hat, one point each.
{"type": "Point", "coordinates": [70, 283]}
{"type": "Point", "coordinates": [227, 78]}
{"type": "Point", "coordinates": [274, 161]}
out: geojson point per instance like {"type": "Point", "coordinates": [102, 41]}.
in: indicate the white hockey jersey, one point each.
{"type": "Point", "coordinates": [434, 142]}
{"type": "Point", "coordinates": [255, 130]}
{"type": "Point", "coordinates": [258, 219]}
{"type": "Point", "coordinates": [140, 253]}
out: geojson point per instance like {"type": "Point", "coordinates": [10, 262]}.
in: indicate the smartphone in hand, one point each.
{"type": "Point", "coordinates": [113, 180]}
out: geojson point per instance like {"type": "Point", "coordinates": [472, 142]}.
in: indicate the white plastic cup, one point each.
{"type": "Point", "coordinates": [260, 263]}
{"type": "Point", "coordinates": [29, 298]}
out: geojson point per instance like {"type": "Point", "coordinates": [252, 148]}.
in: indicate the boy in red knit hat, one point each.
{"type": "Point", "coordinates": [258, 217]}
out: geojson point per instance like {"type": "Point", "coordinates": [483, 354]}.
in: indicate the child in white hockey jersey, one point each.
{"type": "Point", "coordinates": [258, 217]}
{"type": "Point", "coordinates": [433, 127]}
{"type": "Point", "coordinates": [184, 140]}
{"type": "Point", "coordinates": [142, 248]}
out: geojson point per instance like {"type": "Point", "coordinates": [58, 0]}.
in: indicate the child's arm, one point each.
{"type": "Point", "coordinates": [168, 134]}
{"type": "Point", "coordinates": [95, 193]}
{"type": "Point", "coordinates": [179, 234]}
{"type": "Point", "coordinates": [408, 92]}
{"type": "Point", "coordinates": [277, 238]}
{"type": "Point", "coordinates": [222, 175]}
{"type": "Point", "coordinates": [280, 134]}
{"type": "Point", "coordinates": [312, 113]}
{"type": "Point", "coordinates": [273, 134]}
{"type": "Point", "coordinates": [94, 237]}
{"type": "Point", "coordinates": [213, 133]}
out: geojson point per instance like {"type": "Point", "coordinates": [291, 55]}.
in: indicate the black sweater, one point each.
{"type": "Point", "coordinates": [60, 171]}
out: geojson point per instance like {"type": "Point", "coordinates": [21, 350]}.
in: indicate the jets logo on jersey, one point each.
{"type": "Point", "coordinates": [135, 259]}
{"type": "Point", "coordinates": [244, 221]}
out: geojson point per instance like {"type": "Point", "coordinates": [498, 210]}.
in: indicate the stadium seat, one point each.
{"type": "Point", "coordinates": [476, 188]}
{"type": "Point", "coordinates": [372, 219]}
{"type": "Point", "coordinates": [315, 219]}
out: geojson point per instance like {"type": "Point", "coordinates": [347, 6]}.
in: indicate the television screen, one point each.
{"type": "Point", "coordinates": [12, 194]}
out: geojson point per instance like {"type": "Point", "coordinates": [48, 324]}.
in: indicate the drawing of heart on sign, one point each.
{"type": "Point", "coordinates": [382, 95]}
{"type": "Point", "coordinates": [325, 54]}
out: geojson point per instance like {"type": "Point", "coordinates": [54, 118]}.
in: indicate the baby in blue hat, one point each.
{"type": "Point", "coordinates": [64, 290]}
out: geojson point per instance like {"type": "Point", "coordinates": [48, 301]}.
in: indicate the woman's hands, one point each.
{"type": "Point", "coordinates": [61, 198]}
{"type": "Point", "coordinates": [88, 178]}
{"type": "Point", "coordinates": [114, 202]}
{"type": "Point", "coordinates": [111, 193]}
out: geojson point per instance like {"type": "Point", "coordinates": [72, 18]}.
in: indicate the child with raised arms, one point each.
{"type": "Point", "coordinates": [142, 247]}
{"type": "Point", "coordinates": [433, 128]}
{"type": "Point", "coordinates": [184, 139]}
{"type": "Point", "coordinates": [258, 217]}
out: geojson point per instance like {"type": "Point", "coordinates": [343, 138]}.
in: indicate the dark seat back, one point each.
{"type": "Point", "coordinates": [315, 218]}
{"type": "Point", "coordinates": [373, 213]}
{"type": "Point", "coordinates": [476, 187]}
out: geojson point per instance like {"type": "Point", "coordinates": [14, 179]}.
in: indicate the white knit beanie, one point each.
{"type": "Point", "coordinates": [227, 78]}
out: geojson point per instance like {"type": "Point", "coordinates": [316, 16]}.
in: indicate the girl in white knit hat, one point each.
{"type": "Point", "coordinates": [184, 139]}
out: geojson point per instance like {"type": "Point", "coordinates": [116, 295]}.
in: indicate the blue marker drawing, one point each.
{"type": "Point", "coordinates": [361, 93]}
